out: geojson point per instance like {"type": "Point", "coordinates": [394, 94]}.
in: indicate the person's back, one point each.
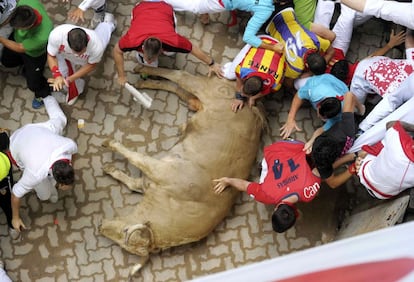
{"type": "Point", "coordinates": [35, 38]}
{"type": "Point", "coordinates": [298, 41]}
{"type": "Point", "coordinates": [390, 171]}
{"type": "Point", "coordinates": [58, 44]}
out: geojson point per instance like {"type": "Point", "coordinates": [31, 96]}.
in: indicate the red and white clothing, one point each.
{"type": "Point", "coordinates": [253, 61]}
{"type": "Point", "coordinates": [154, 19]}
{"type": "Point", "coordinates": [380, 75]}
{"type": "Point", "coordinates": [388, 169]}
{"type": "Point", "coordinates": [68, 60]}
{"type": "Point", "coordinates": [36, 146]}
{"type": "Point", "coordinates": [285, 172]}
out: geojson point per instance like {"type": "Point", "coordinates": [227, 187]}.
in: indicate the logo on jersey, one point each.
{"type": "Point", "coordinates": [311, 191]}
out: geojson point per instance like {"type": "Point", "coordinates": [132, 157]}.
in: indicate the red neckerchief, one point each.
{"type": "Point", "coordinates": [38, 18]}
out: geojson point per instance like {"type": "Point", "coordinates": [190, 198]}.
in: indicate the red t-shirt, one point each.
{"type": "Point", "coordinates": [287, 174]}
{"type": "Point", "coordinates": [154, 19]}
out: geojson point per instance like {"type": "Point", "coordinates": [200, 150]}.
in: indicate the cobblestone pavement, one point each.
{"type": "Point", "coordinates": [63, 243]}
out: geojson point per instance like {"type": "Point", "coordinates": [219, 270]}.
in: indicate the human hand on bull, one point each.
{"type": "Point", "coordinates": [217, 69]}
{"type": "Point", "coordinates": [237, 105]}
{"type": "Point", "coordinates": [221, 185]}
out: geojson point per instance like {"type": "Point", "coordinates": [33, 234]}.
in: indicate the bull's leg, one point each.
{"type": "Point", "coordinates": [134, 184]}
{"type": "Point", "coordinates": [192, 101]}
{"type": "Point", "coordinates": [151, 167]}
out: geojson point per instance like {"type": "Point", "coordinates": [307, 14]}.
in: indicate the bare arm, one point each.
{"type": "Point", "coordinates": [202, 56]}
{"type": "Point", "coordinates": [395, 40]}
{"type": "Point", "coordinates": [224, 182]}
{"type": "Point", "coordinates": [290, 124]}
{"type": "Point", "coordinates": [278, 47]}
{"type": "Point", "coordinates": [119, 63]}
{"type": "Point", "coordinates": [357, 5]}
{"type": "Point", "coordinates": [16, 220]}
{"type": "Point", "coordinates": [84, 70]}
{"type": "Point", "coordinates": [12, 45]}
{"type": "Point", "coordinates": [323, 31]}
{"type": "Point", "coordinates": [309, 144]}
{"type": "Point", "coordinates": [335, 181]}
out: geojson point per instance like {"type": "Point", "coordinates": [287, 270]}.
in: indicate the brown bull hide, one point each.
{"type": "Point", "coordinates": [179, 205]}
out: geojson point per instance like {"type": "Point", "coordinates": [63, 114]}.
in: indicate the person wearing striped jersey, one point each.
{"type": "Point", "coordinates": [258, 72]}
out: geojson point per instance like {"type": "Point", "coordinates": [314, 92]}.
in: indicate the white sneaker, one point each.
{"type": "Point", "coordinates": [14, 234]}
{"type": "Point", "coordinates": [53, 199]}
{"type": "Point", "coordinates": [110, 18]}
{"type": "Point", "coordinates": [97, 19]}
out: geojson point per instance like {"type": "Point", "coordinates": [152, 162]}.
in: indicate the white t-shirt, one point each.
{"type": "Point", "coordinates": [392, 170]}
{"type": "Point", "coordinates": [58, 45]}
{"type": "Point", "coordinates": [380, 75]}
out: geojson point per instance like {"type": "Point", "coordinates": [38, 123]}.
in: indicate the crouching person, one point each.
{"type": "Point", "coordinates": [45, 158]}
{"type": "Point", "coordinates": [284, 167]}
{"type": "Point", "coordinates": [73, 52]}
{"type": "Point", "coordinates": [386, 168]}
{"type": "Point", "coordinates": [257, 71]}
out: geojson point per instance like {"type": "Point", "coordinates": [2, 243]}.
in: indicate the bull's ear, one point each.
{"type": "Point", "coordinates": [139, 237]}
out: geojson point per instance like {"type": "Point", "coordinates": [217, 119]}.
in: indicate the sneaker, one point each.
{"type": "Point", "coordinates": [53, 199]}
{"type": "Point", "coordinates": [1, 264]}
{"type": "Point", "coordinates": [14, 234]}
{"type": "Point", "coordinates": [97, 18]}
{"type": "Point", "coordinates": [110, 18]}
{"type": "Point", "coordinates": [72, 100]}
{"type": "Point", "coordinates": [359, 133]}
{"type": "Point", "coordinates": [37, 103]}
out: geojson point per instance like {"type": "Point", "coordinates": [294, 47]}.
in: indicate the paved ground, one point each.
{"type": "Point", "coordinates": [63, 243]}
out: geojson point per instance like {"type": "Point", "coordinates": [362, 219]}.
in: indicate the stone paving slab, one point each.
{"type": "Point", "coordinates": [63, 243]}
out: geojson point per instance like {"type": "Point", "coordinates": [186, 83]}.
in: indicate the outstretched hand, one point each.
{"type": "Point", "coordinates": [237, 105]}
{"type": "Point", "coordinates": [216, 68]}
{"type": "Point", "coordinates": [76, 15]}
{"type": "Point", "coordinates": [288, 128]}
{"type": "Point", "coordinates": [396, 39]}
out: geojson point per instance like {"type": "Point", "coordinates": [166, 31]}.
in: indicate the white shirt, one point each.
{"type": "Point", "coordinates": [58, 45]}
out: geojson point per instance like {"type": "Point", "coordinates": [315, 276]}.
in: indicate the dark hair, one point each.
{"type": "Point", "coordinates": [252, 86]}
{"type": "Point", "coordinates": [77, 39]}
{"type": "Point", "coordinates": [340, 70]}
{"type": "Point", "coordinates": [63, 172]}
{"type": "Point", "coordinates": [316, 63]}
{"type": "Point", "coordinates": [23, 17]}
{"type": "Point", "coordinates": [325, 151]}
{"type": "Point", "coordinates": [4, 141]}
{"type": "Point", "coordinates": [152, 47]}
{"type": "Point", "coordinates": [329, 107]}
{"type": "Point", "coordinates": [283, 218]}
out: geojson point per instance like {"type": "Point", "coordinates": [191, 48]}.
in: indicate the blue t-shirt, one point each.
{"type": "Point", "coordinates": [319, 87]}
{"type": "Point", "coordinates": [261, 10]}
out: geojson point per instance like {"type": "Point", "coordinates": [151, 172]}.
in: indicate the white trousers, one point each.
{"type": "Point", "coordinates": [3, 276]}
{"type": "Point", "coordinates": [196, 6]}
{"type": "Point", "coordinates": [389, 104]}
{"type": "Point", "coordinates": [377, 132]}
{"type": "Point", "coordinates": [393, 11]}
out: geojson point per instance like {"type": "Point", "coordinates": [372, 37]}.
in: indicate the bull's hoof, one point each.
{"type": "Point", "coordinates": [109, 169]}
{"type": "Point", "coordinates": [108, 143]}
